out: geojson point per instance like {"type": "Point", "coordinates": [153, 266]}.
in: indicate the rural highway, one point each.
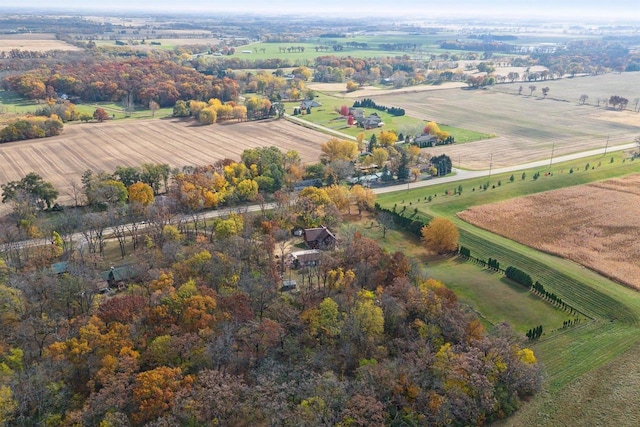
{"type": "Point", "coordinates": [462, 174]}
{"type": "Point", "coordinates": [458, 175]}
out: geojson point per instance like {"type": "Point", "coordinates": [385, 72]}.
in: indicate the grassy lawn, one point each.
{"type": "Point", "coordinates": [497, 298]}
{"type": "Point", "coordinates": [558, 176]}
{"type": "Point", "coordinates": [487, 292]}
{"type": "Point", "coordinates": [11, 102]}
{"type": "Point", "coordinates": [327, 116]}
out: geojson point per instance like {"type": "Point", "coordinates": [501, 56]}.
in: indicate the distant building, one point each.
{"type": "Point", "coordinates": [309, 103]}
{"type": "Point", "coordinates": [297, 186]}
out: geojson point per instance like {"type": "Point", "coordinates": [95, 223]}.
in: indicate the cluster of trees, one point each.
{"type": "Point", "coordinates": [442, 137]}
{"type": "Point", "coordinates": [210, 112]}
{"type": "Point", "coordinates": [369, 103]}
{"type": "Point", "coordinates": [587, 56]}
{"type": "Point", "coordinates": [140, 80]}
{"type": "Point", "coordinates": [202, 336]}
{"type": "Point", "coordinates": [31, 127]}
{"type": "Point", "coordinates": [29, 195]}
{"type": "Point", "coordinates": [618, 102]}
{"type": "Point", "coordinates": [443, 164]}
{"type": "Point", "coordinates": [535, 333]}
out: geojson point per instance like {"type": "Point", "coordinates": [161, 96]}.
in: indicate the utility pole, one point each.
{"type": "Point", "coordinates": [490, 164]}
{"type": "Point", "coordinates": [606, 146]}
{"type": "Point", "coordinates": [552, 148]}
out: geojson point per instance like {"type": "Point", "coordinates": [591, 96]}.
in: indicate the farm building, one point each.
{"type": "Point", "coordinates": [300, 259]}
{"type": "Point", "coordinates": [319, 238]}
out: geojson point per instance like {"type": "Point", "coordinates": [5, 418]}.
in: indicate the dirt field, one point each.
{"type": "Point", "coordinates": [377, 91]}
{"type": "Point", "coordinates": [103, 146]}
{"type": "Point", "coordinates": [527, 127]}
{"type": "Point", "coordinates": [33, 42]}
{"type": "Point", "coordinates": [595, 225]}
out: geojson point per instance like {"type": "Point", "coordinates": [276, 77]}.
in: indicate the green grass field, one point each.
{"type": "Point", "coordinates": [12, 103]}
{"type": "Point", "coordinates": [497, 298]}
{"type": "Point", "coordinates": [327, 116]}
{"type": "Point", "coordinates": [614, 309]}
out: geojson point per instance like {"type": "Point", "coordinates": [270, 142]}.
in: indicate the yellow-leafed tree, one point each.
{"type": "Point", "coordinates": [440, 235]}
{"type": "Point", "coordinates": [141, 193]}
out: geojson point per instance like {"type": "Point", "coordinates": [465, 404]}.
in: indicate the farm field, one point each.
{"type": "Point", "coordinates": [103, 146]}
{"type": "Point", "coordinates": [165, 43]}
{"type": "Point", "coordinates": [528, 128]}
{"type": "Point", "coordinates": [595, 225]}
{"type": "Point", "coordinates": [575, 359]}
{"type": "Point", "coordinates": [40, 42]}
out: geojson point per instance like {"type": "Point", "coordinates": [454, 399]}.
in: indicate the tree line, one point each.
{"type": "Point", "coordinates": [143, 80]}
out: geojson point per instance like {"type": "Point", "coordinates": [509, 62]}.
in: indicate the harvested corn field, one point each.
{"type": "Point", "coordinates": [596, 225]}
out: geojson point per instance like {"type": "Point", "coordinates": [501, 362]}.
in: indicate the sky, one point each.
{"type": "Point", "coordinates": [613, 10]}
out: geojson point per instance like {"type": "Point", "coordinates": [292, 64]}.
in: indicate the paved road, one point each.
{"type": "Point", "coordinates": [461, 174]}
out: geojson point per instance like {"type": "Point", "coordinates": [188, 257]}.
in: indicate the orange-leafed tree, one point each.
{"type": "Point", "coordinates": [440, 235]}
{"type": "Point", "coordinates": [141, 193]}
{"type": "Point", "coordinates": [154, 392]}
{"type": "Point", "coordinates": [364, 198]}
{"type": "Point", "coordinates": [100, 115]}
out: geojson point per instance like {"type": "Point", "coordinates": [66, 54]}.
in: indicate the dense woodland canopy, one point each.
{"type": "Point", "coordinates": [203, 335]}
{"type": "Point", "coordinates": [142, 79]}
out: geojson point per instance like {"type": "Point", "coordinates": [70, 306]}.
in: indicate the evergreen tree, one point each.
{"type": "Point", "coordinates": [403, 170]}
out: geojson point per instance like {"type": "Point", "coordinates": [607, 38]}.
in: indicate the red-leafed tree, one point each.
{"type": "Point", "coordinates": [350, 120]}
{"type": "Point", "coordinates": [100, 115]}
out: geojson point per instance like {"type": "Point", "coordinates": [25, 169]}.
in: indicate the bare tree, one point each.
{"type": "Point", "coordinates": [583, 99]}
{"type": "Point", "coordinates": [153, 106]}
{"type": "Point", "coordinates": [76, 192]}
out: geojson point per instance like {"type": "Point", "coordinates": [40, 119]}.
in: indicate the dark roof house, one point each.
{"type": "Point", "coordinates": [369, 122]}
{"type": "Point", "coordinates": [319, 238]}
{"type": "Point", "coordinates": [425, 140]}
{"type": "Point", "coordinates": [308, 103]}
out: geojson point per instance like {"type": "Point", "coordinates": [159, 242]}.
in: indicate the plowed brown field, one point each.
{"type": "Point", "coordinates": [40, 42]}
{"type": "Point", "coordinates": [596, 225]}
{"type": "Point", "coordinates": [103, 146]}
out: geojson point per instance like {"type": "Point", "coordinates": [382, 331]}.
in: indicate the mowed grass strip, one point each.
{"type": "Point", "coordinates": [496, 297]}
{"type": "Point", "coordinates": [488, 293]}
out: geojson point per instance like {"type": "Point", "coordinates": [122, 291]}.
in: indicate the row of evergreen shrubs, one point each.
{"type": "Point", "coordinates": [414, 226]}
{"type": "Point", "coordinates": [369, 103]}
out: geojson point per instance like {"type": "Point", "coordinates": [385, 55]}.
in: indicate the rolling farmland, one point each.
{"type": "Point", "coordinates": [528, 127]}
{"type": "Point", "coordinates": [39, 42]}
{"type": "Point", "coordinates": [103, 146]}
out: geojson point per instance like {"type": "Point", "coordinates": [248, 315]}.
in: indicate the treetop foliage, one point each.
{"type": "Point", "coordinates": [202, 335]}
